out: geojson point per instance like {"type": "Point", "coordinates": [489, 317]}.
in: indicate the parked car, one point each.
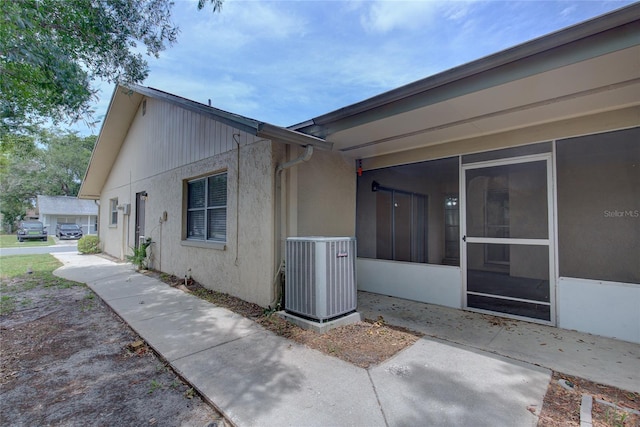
{"type": "Point", "coordinates": [68, 231]}
{"type": "Point", "coordinates": [32, 230]}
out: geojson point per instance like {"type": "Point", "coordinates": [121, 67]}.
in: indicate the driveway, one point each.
{"type": "Point", "coordinates": [60, 246]}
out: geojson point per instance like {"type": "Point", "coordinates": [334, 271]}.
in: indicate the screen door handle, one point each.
{"type": "Point", "coordinates": [464, 238]}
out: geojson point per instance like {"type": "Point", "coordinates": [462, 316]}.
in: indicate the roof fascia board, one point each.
{"type": "Point", "coordinates": [586, 41]}
{"type": "Point", "coordinates": [81, 194]}
{"type": "Point", "coordinates": [288, 136]}
{"type": "Point", "coordinates": [119, 90]}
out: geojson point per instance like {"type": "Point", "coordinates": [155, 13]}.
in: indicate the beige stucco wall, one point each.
{"type": "Point", "coordinates": [321, 196]}
{"type": "Point", "coordinates": [158, 159]}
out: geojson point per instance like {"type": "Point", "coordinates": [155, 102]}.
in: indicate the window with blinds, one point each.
{"type": "Point", "coordinates": [113, 212]}
{"type": "Point", "coordinates": [207, 208]}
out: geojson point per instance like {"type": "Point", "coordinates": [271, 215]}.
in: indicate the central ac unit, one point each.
{"type": "Point", "coordinates": [320, 277]}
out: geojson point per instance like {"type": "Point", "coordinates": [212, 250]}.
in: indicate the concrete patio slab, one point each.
{"type": "Point", "coordinates": [599, 359]}
{"type": "Point", "coordinates": [433, 320]}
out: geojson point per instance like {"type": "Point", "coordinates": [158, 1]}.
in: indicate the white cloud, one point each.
{"type": "Point", "coordinates": [385, 16]}
{"type": "Point", "coordinates": [568, 10]}
{"type": "Point", "coordinates": [238, 24]}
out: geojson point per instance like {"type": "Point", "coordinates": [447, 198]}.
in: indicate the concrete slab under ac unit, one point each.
{"type": "Point", "coordinates": [323, 327]}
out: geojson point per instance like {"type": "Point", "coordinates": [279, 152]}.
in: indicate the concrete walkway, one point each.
{"type": "Point", "coordinates": [256, 378]}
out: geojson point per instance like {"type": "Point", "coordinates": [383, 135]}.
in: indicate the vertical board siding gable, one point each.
{"type": "Point", "coordinates": [168, 137]}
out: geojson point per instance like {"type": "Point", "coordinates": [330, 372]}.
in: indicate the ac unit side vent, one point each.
{"type": "Point", "coordinates": [320, 277]}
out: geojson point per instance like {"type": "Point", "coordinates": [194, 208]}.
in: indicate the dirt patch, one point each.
{"type": "Point", "coordinates": [67, 359]}
{"type": "Point", "coordinates": [562, 404]}
{"type": "Point", "coordinates": [363, 344]}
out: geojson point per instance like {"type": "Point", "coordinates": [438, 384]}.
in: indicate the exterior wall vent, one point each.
{"type": "Point", "coordinates": [320, 277]}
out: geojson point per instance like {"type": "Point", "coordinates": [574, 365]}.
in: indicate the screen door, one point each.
{"type": "Point", "coordinates": [507, 238]}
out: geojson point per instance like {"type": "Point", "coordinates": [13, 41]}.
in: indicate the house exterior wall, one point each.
{"type": "Point", "coordinates": [321, 196]}
{"type": "Point", "coordinates": [166, 147]}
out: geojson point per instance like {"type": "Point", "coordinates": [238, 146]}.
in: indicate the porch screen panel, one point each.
{"type": "Point", "coordinates": [508, 201]}
{"type": "Point", "coordinates": [412, 214]}
{"type": "Point", "coordinates": [383, 224]}
{"type": "Point", "coordinates": [400, 226]}
{"type": "Point", "coordinates": [599, 206]}
{"type": "Point", "coordinates": [404, 227]}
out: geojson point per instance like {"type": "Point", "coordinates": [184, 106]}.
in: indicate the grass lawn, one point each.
{"type": "Point", "coordinates": [10, 241]}
{"type": "Point", "coordinates": [23, 272]}
{"type": "Point", "coordinates": [17, 265]}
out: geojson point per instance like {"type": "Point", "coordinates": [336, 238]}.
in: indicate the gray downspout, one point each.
{"type": "Point", "coordinates": [308, 152]}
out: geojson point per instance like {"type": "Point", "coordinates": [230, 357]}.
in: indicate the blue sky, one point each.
{"type": "Point", "coordinates": [285, 62]}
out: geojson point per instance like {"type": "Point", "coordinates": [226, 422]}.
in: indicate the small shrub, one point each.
{"type": "Point", "coordinates": [139, 257]}
{"type": "Point", "coordinates": [89, 245]}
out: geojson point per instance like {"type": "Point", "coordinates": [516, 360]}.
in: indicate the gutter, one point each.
{"type": "Point", "coordinates": [269, 131]}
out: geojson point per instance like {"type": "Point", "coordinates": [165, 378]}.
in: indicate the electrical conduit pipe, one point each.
{"type": "Point", "coordinates": [308, 152]}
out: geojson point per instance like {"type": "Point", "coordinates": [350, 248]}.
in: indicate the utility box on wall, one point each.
{"type": "Point", "coordinates": [320, 277]}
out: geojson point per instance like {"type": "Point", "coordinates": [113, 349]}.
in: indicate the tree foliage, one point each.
{"type": "Point", "coordinates": [52, 164]}
{"type": "Point", "coordinates": [52, 50]}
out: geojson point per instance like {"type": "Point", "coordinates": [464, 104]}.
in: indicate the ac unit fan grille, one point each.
{"type": "Point", "coordinates": [320, 277]}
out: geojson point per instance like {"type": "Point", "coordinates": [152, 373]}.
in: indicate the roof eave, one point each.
{"type": "Point", "coordinates": [108, 144]}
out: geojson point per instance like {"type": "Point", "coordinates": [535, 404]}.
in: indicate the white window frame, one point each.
{"type": "Point", "coordinates": [206, 209]}
{"type": "Point", "coordinates": [113, 212]}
